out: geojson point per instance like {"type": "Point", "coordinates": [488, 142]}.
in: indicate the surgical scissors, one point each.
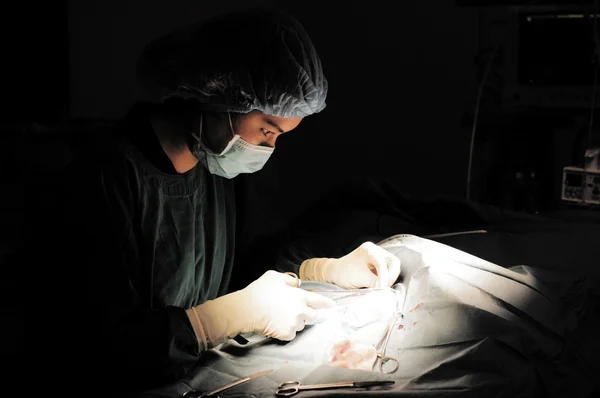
{"type": "Point", "coordinates": [382, 346]}
{"type": "Point", "coordinates": [289, 388]}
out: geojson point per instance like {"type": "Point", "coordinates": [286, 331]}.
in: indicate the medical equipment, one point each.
{"type": "Point", "coordinates": [198, 394]}
{"type": "Point", "coordinates": [582, 185]}
{"type": "Point", "coordinates": [381, 347]}
{"type": "Point", "coordinates": [549, 53]}
{"type": "Point", "coordinates": [448, 234]}
{"type": "Point", "coordinates": [289, 388]}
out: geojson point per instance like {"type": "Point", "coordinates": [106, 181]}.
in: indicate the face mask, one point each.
{"type": "Point", "coordinates": [238, 156]}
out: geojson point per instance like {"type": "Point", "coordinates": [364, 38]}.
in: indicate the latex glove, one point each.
{"type": "Point", "coordinates": [367, 266]}
{"type": "Point", "coordinates": [271, 306]}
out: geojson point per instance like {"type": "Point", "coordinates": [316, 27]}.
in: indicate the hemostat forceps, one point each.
{"type": "Point", "coordinates": [289, 388]}
{"type": "Point", "coordinates": [381, 347]}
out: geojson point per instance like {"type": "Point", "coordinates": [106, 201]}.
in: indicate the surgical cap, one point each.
{"type": "Point", "coordinates": [238, 62]}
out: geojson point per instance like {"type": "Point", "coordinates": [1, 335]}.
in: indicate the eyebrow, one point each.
{"type": "Point", "coordinates": [272, 123]}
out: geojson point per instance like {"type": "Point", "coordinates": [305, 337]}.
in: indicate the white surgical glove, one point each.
{"type": "Point", "coordinates": [367, 266]}
{"type": "Point", "coordinates": [271, 306]}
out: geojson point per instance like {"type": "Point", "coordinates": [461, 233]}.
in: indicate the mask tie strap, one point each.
{"type": "Point", "coordinates": [199, 128]}
{"type": "Point", "coordinates": [230, 124]}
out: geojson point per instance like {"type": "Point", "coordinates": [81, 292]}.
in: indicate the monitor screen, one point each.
{"type": "Point", "coordinates": [574, 180]}
{"type": "Point", "coordinates": [556, 49]}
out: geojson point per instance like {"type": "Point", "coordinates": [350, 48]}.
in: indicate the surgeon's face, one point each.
{"type": "Point", "coordinates": [255, 128]}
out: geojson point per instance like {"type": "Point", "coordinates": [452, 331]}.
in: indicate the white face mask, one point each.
{"type": "Point", "coordinates": [238, 156]}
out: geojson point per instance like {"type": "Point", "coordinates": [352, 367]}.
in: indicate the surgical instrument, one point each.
{"type": "Point", "coordinates": [381, 347]}
{"type": "Point", "coordinates": [289, 388]}
{"type": "Point", "coordinates": [198, 394]}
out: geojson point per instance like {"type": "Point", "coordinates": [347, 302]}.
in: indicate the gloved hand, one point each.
{"type": "Point", "coordinates": [367, 266]}
{"type": "Point", "coordinates": [271, 306]}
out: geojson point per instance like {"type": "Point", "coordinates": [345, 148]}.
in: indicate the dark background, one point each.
{"type": "Point", "coordinates": [403, 97]}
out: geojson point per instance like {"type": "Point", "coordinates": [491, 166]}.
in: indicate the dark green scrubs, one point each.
{"type": "Point", "coordinates": [147, 243]}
